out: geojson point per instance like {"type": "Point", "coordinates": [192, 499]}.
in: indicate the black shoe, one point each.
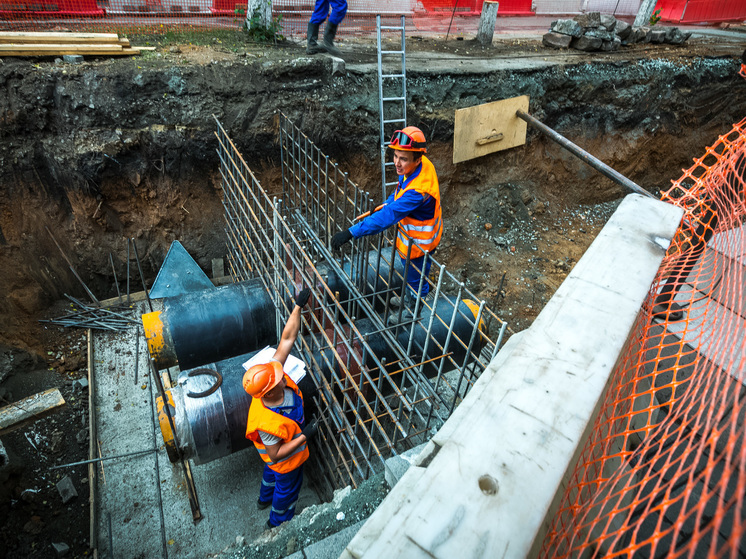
{"type": "Point", "coordinates": [328, 43]}
{"type": "Point", "coordinates": [312, 45]}
{"type": "Point", "coordinates": [673, 312]}
{"type": "Point", "coordinates": [261, 505]}
{"type": "Point", "coordinates": [269, 526]}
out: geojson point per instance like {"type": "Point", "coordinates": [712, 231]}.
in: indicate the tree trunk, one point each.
{"type": "Point", "coordinates": [487, 22]}
{"type": "Point", "coordinates": [644, 13]}
{"type": "Point", "coordinates": [264, 9]}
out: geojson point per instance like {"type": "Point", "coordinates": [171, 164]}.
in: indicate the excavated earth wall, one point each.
{"type": "Point", "coordinates": [112, 149]}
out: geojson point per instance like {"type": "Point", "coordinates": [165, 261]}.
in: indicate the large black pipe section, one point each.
{"type": "Point", "coordinates": [579, 152]}
{"type": "Point", "coordinates": [206, 326]}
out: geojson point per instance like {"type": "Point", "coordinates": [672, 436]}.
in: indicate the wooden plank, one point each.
{"type": "Point", "coordinates": [487, 21]}
{"type": "Point", "coordinates": [488, 128]}
{"type": "Point", "coordinates": [58, 38]}
{"type": "Point", "coordinates": [16, 414]}
{"type": "Point", "coordinates": [58, 50]}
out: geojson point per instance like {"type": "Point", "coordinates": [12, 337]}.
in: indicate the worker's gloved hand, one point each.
{"type": "Point", "coordinates": [341, 238]}
{"type": "Point", "coordinates": [311, 429]}
{"type": "Point", "coordinates": [302, 297]}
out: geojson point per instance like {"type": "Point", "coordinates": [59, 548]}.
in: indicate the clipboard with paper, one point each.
{"type": "Point", "coordinates": [293, 367]}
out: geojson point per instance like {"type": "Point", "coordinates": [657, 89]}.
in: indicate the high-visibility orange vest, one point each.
{"type": "Point", "coordinates": [425, 234]}
{"type": "Point", "coordinates": [264, 419]}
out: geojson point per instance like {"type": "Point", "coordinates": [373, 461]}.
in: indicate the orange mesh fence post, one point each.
{"type": "Point", "coordinates": [663, 473]}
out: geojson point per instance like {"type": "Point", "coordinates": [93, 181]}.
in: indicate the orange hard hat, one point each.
{"type": "Point", "coordinates": [410, 138]}
{"type": "Point", "coordinates": [260, 379]}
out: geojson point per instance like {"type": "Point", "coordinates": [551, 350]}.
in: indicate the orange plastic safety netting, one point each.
{"type": "Point", "coordinates": [663, 473]}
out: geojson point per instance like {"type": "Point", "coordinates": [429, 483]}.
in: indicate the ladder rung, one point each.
{"type": "Point", "coordinates": [394, 120]}
{"type": "Point", "coordinates": [392, 52]}
{"type": "Point", "coordinates": [393, 99]}
{"type": "Point", "coordinates": [400, 28]}
{"type": "Point", "coordinates": [392, 75]}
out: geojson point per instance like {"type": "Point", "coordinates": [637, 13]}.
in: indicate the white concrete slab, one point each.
{"type": "Point", "coordinates": [492, 474]}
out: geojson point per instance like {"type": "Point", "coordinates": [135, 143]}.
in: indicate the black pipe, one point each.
{"type": "Point", "coordinates": [594, 162]}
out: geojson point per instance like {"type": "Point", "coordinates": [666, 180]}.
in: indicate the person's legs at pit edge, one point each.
{"type": "Point", "coordinates": [287, 489]}
{"type": "Point", "coordinates": [267, 488]}
{"type": "Point", "coordinates": [320, 12]}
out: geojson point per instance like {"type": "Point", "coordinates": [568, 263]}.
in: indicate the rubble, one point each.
{"type": "Point", "coordinates": [594, 31]}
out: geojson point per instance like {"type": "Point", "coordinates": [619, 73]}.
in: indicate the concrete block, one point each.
{"type": "Point", "coordinates": [61, 549]}
{"type": "Point", "coordinates": [567, 27]}
{"type": "Point", "coordinates": [608, 21]}
{"type": "Point", "coordinates": [67, 490]}
{"type": "Point", "coordinates": [657, 36]}
{"type": "Point", "coordinates": [72, 58]}
{"type": "Point", "coordinates": [334, 545]}
{"type": "Point", "coordinates": [338, 66]}
{"type": "Point", "coordinates": [80, 384]}
{"type": "Point", "coordinates": [591, 19]}
{"type": "Point", "coordinates": [600, 34]}
{"type": "Point", "coordinates": [588, 44]}
{"type": "Point", "coordinates": [396, 466]}
{"type": "Point", "coordinates": [556, 40]}
{"type": "Point", "coordinates": [623, 29]}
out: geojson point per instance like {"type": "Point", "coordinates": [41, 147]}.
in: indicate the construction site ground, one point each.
{"type": "Point", "coordinates": [115, 149]}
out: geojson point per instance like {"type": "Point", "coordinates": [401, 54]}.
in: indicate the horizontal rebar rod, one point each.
{"type": "Point", "coordinates": [579, 152]}
{"type": "Point", "coordinates": [103, 458]}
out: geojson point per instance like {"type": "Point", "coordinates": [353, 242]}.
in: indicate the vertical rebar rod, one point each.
{"type": "Point", "coordinates": [128, 270]}
{"type": "Point", "coordinates": [468, 354]}
{"type": "Point", "coordinates": [142, 277]}
{"type": "Point", "coordinates": [116, 283]}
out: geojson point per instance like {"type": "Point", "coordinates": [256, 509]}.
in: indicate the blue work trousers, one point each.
{"type": "Point", "coordinates": [339, 9]}
{"type": "Point", "coordinates": [283, 491]}
{"type": "Point", "coordinates": [413, 276]}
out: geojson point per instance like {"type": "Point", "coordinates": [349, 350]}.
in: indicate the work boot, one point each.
{"type": "Point", "coordinates": [312, 45]}
{"type": "Point", "coordinates": [328, 44]}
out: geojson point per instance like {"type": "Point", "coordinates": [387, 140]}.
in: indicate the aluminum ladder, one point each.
{"type": "Point", "coordinates": [392, 99]}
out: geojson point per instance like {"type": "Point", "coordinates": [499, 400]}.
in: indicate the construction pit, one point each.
{"type": "Point", "coordinates": [105, 152]}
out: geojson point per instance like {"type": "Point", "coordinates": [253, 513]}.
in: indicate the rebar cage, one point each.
{"type": "Point", "coordinates": [385, 381]}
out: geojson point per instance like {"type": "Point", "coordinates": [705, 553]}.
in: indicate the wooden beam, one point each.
{"type": "Point", "coordinates": [15, 415]}
{"type": "Point", "coordinates": [50, 49]}
{"type": "Point", "coordinates": [58, 38]}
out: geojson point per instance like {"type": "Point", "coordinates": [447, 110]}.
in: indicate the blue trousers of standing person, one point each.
{"type": "Point", "coordinates": [283, 491]}
{"type": "Point", "coordinates": [339, 9]}
{"type": "Point", "coordinates": [413, 275]}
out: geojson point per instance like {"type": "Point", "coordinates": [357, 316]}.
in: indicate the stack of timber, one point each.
{"type": "Point", "coordinates": [59, 43]}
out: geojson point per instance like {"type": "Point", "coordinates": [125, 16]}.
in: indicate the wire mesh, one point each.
{"type": "Point", "coordinates": [664, 471]}
{"type": "Point", "coordinates": [383, 387]}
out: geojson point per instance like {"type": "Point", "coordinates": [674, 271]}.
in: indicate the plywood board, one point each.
{"type": "Point", "coordinates": [488, 128]}
{"type": "Point", "coordinates": [56, 49]}
{"type": "Point", "coordinates": [57, 37]}
{"type": "Point", "coordinates": [16, 414]}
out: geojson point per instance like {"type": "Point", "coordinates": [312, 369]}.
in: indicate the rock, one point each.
{"type": "Point", "coordinates": [612, 45]}
{"type": "Point", "coordinates": [240, 541]}
{"type": "Point", "coordinates": [608, 21]}
{"type": "Point", "coordinates": [556, 40]}
{"type": "Point", "coordinates": [585, 43]}
{"type": "Point", "coordinates": [61, 548]}
{"type": "Point", "coordinates": [635, 35]}
{"type": "Point", "coordinates": [55, 441]}
{"type": "Point", "coordinates": [487, 226]}
{"type": "Point", "coordinates": [67, 490]}
{"type": "Point", "coordinates": [600, 34]}
{"type": "Point", "coordinates": [72, 58]}
{"type": "Point", "coordinates": [34, 526]}
{"type": "Point", "coordinates": [591, 19]}
{"type": "Point", "coordinates": [567, 27]}
{"type": "Point", "coordinates": [174, 50]}
{"type": "Point", "coordinates": [81, 436]}
{"type": "Point", "coordinates": [338, 66]}
{"type": "Point", "coordinates": [648, 35]}
{"type": "Point", "coordinates": [292, 546]}
{"type": "Point", "coordinates": [657, 36]}
{"type": "Point", "coordinates": [622, 29]}
{"type": "Point", "coordinates": [677, 37]}
{"type": "Point", "coordinates": [80, 384]}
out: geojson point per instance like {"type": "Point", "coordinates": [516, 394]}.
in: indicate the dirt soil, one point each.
{"type": "Point", "coordinates": [117, 149]}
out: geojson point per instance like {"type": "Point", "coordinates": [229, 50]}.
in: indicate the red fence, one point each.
{"type": "Point", "coordinates": [701, 11]}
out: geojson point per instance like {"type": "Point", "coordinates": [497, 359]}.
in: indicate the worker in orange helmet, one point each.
{"type": "Point", "coordinates": [414, 206]}
{"type": "Point", "coordinates": [277, 425]}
